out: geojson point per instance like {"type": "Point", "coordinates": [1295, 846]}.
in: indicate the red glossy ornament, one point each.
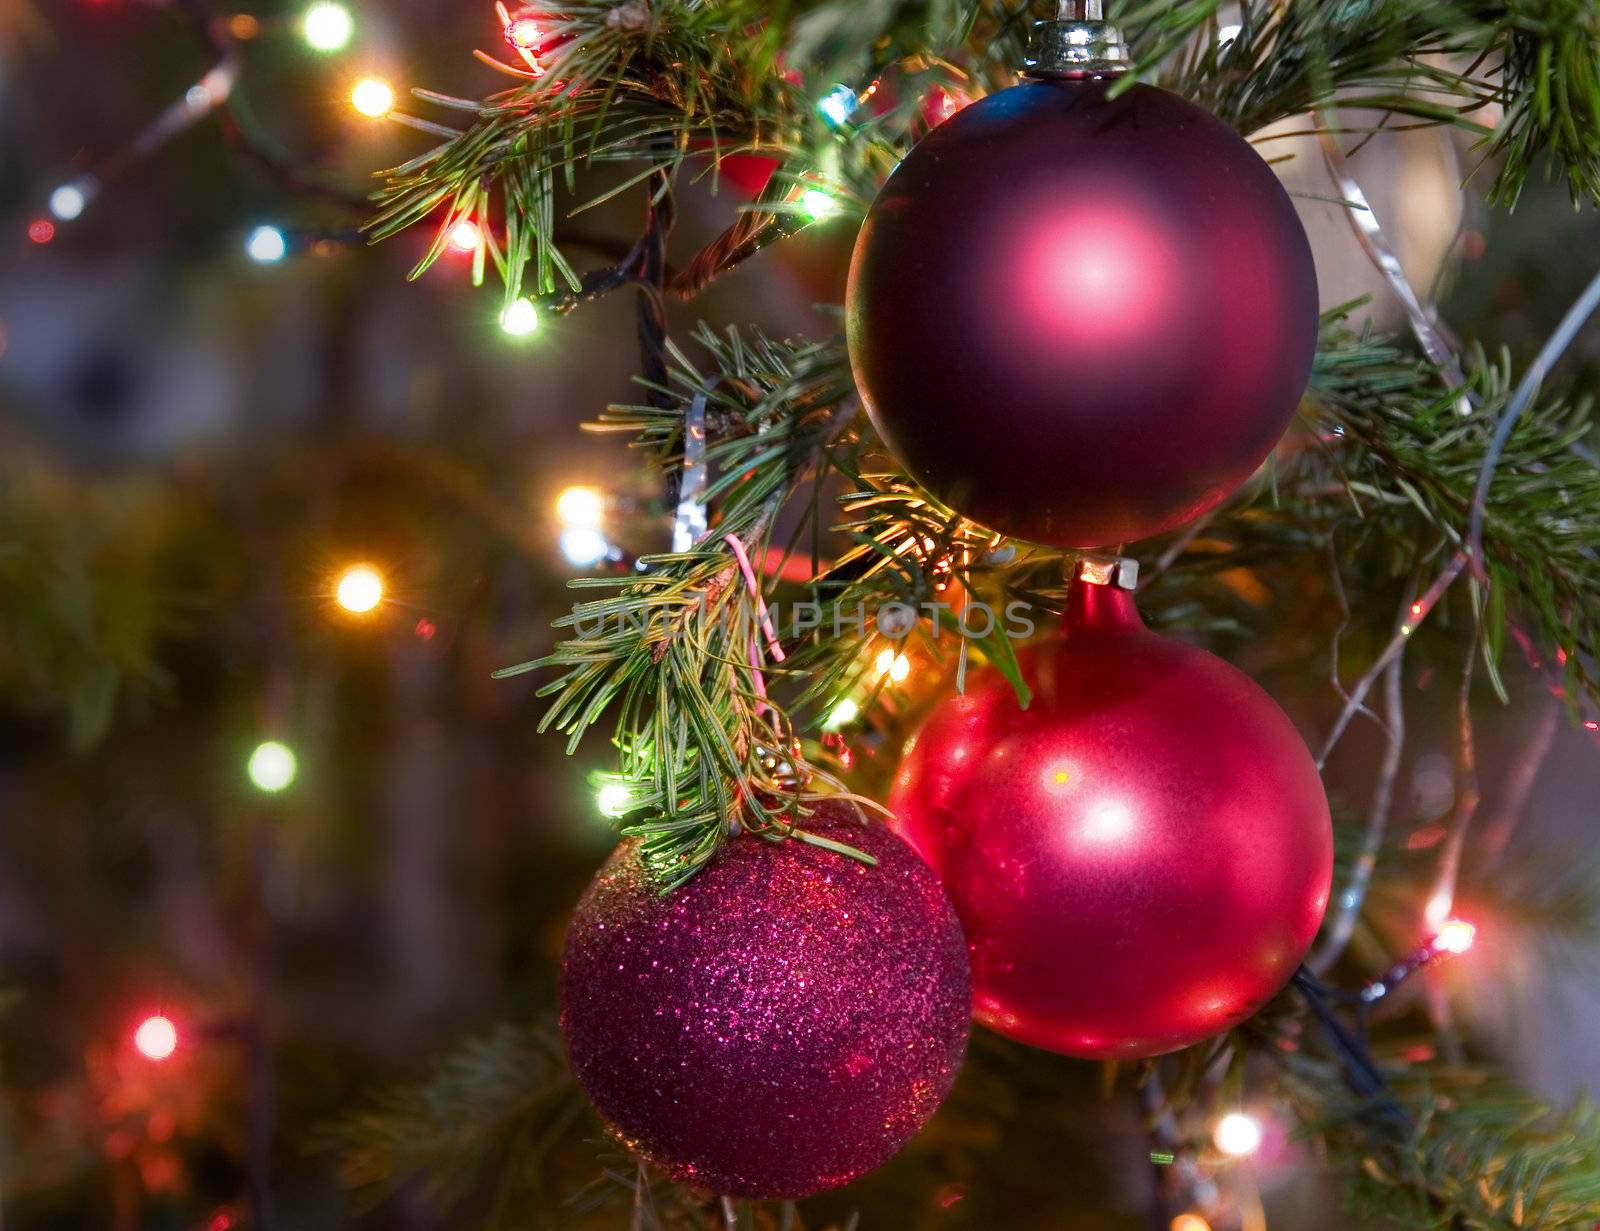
{"type": "Point", "coordinates": [1141, 858]}
{"type": "Point", "coordinates": [782, 1023]}
{"type": "Point", "coordinates": [1082, 320]}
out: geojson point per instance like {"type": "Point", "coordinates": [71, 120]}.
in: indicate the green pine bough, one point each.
{"type": "Point", "coordinates": [636, 97]}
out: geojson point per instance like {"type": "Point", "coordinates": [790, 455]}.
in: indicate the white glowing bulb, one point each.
{"type": "Point", "coordinates": [156, 1038]}
{"type": "Point", "coordinates": [584, 546]}
{"type": "Point", "coordinates": [266, 246]}
{"type": "Point", "coordinates": [896, 666]}
{"type": "Point", "coordinates": [583, 507]}
{"type": "Point", "coordinates": [327, 26]}
{"type": "Point", "coordinates": [272, 766]}
{"type": "Point", "coordinates": [465, 236]}
{"type": "Point", "coordinates": [1238, 1134]}
{"type": "Point", "coordinates": [373, 97]}
{"type": "Point", "coordinates": [520, 318]}
{"type": "Point", "coordinates": [613, 800]}
{"type": "Point", "coordinates": [817, 204]}
{"type": "Point", "coordinates": [360, 589]}
{"type": "Point", "coordinates": [1456, 936]}
{"type": "Point", "coordinates": [67, 202]}
{"type": "Point", "coordinates": [842, 714]}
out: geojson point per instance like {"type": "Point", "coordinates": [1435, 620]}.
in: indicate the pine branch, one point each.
{"type": "Point", "coordinates": [495, 1108]}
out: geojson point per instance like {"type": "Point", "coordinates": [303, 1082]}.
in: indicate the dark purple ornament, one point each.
{"type": "Point", "coordinates": [780, 1025]}
{"type": "Point", "coordinates": [1082, 320]}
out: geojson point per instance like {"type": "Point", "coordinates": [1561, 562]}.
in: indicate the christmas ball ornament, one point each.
{"type": "Point", "coordinates": [1078, 318]}
{"type": "Point", "coordinates": [1142, 857]}
{"type": "Point", "coordinates": [779, 1025]}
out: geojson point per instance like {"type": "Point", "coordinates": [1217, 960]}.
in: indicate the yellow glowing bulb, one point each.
{"type": "Point", "coordinates": [271, 767]}
{"type": "Point", "coordinates": [156, 1037]}
{"type": "Point", "coordinates": [896, 666]}
{"type": "Point", "coordinates": [613, 800]}
{"type": "Point", "coordinates": [373, 97]}
{"type": "Point", "coordinates": [580, 507]}
{"type": "Point", "coordinates": [465, 236]}
{"type": "Point", "coordinates": [1238, 1134]}
{"type": "Point", "coordinates": [1456, 936]}
{"type": "Point", "coordinates": [1190, 1222]}
{"type": "Point", "coordinates": [360, 589]}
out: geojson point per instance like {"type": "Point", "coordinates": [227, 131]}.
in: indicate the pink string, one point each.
{"type": "Point", "coordinates": [743, 558]}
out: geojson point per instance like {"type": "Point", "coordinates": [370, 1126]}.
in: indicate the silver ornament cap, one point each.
{"type": "Point", "coordinates": [1077, 42]}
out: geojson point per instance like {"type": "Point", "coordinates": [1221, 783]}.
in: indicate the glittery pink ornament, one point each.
{"type": "Point", "coordinates": [780, 1025]}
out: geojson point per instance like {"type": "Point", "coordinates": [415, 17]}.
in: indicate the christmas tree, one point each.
{"type": "Point", "coordinates": [1073, 676]}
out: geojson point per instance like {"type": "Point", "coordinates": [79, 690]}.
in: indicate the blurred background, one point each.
{"type": "Point", "coordinates": [323, 843]}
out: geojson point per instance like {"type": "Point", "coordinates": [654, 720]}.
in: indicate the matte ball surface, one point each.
{"type": "Point", "coordinates": [780, 1025]}
{"type": "Point", "coordinates": [1079, 320]}
{"type": "Point", "coordinates": [1141, 858]}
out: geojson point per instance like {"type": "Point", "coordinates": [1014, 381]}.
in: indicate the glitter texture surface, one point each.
{"type": "Point", "coordinates": [780, 1025]}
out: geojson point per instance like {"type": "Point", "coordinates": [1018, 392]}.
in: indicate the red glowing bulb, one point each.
{"type": "Point", "coordinates": [41, 230]}
{"type": "Point", "coordinates": [156, 1038]}
{"type": "Point", "coordinates": [1456, 936]}
{"type": "Point", "coordinates": [465, 236]}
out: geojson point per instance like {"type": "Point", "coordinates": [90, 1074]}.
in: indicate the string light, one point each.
{"type": "Point", "coordinates": [838, 105]}
{"type": "Point", "coordinates": [272, 766]}
{"type": "Point", "coordinates": [266, 245]}
{"type": "Point", "coordinates": [817, 204]}
{"type": "Point", "coordinates": [580, 506]}
{"type": "Point", "coordinates": [842, 714]}
{"type": "Point", "coordinates": [373, 97]}
{"type": "Point", "coordinates": [896, 666]}
{"type": "Point", "coordinates": [584, 546]}
{"type": "Point", "coordinates": [156, 1038]}
{"type": "Point", "coordinates": [613, 800]}
{"type": "Point", "coordinates": [1455, 937]}
{"type": "Point", "coordinates": [465, 236]}
{"type": "Point", "coordinates": [519, 319]}
{"type": "Point", "coordinates": [360, 589]}
{"type": "Point", "coordinates": [327, 26]}
{"type": "Point", "coordinates": [524, 34]}
{"type": "Point", "coordinates": [68, 201]}
{"type": "Point", "coordinates": [1238, 1134]}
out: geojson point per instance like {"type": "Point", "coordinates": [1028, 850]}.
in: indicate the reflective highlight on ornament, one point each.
{"type": "Point", "coordinates": [1097, 271]}
{"type": "Point", "coordinates": [360, 589]}
{"type": "Point", "coordinates": [327, 26]}
{"type": "Point", "coordinates": [156, 1038]}
{"type": "Point", "coordinates": [1238, 1134]}
{"type": "Point", "coordinates": [272, 766]}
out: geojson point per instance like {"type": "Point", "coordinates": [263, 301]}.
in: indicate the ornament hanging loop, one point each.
{"type": "Point", "coordinates": [1078, 42]}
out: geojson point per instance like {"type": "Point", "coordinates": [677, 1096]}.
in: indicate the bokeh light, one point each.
{"type": "Point", "coordinates": [1237, 1134]}
{"type": "Point", "coordinates": [584, 546]}
{"type": "Point", "coordinates": [580, 506]}
{"type": "Point", "coordinates": [373, 97]}
{"type": "Point", "coordinates": [156, 1037]}
{"type": "Point", "coordinates": [272, 766]}
{"type": "Point", "coordinates": [327, 26]}
{"type": "Point", "coordinates": [266, 245]}
{"type": "Point", "coordinates": [67, 202]}
{"type": "Point", "coordinates": [360, 589]}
